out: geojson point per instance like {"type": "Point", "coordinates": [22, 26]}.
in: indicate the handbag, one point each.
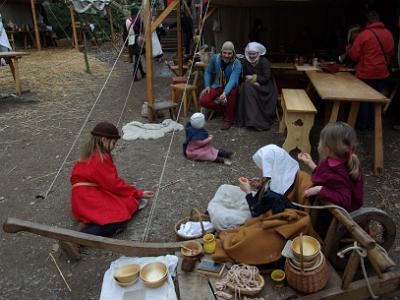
{"type": "Point", "coordinates": [383, 50]}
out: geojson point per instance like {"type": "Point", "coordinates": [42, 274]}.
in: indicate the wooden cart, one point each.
{"type": "Point", "coordinates": [344, 228]}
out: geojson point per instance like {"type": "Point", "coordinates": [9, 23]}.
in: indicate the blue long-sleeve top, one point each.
{"type": "Point", "coordinates": [232, 74]}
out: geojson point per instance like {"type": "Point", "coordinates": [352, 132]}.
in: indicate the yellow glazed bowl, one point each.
{"type": "Point", "coordinates": [154, 274]}
{"type": "Point", "coordinates": [278, 275]}
{"type": "Point", "coordinates": [127, 274]}
{"type": "Point", "coordinates": [311, 248]}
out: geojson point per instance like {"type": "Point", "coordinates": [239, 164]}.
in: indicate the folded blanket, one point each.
{"type": "Point", "coordinates": [137, 130]}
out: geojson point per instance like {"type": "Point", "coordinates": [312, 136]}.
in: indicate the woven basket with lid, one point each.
{"type": "Point", "coordinates": [195, 216]}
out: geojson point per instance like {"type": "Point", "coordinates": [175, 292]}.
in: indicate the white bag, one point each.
{"type": "Point", "coordinates": [228, 208]}
{"type": "Point", "coordinates": [156, 46]}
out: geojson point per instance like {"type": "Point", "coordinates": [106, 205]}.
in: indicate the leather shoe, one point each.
{"type": "Point", "coordinates": [226, 126]}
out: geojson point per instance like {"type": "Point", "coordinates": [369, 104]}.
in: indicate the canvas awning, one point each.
{"type": "Point", "coordinates": [82, 6]}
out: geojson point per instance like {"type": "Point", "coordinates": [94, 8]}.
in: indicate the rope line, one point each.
{"type": "Point", "coordinates": [86, 119]}
{"type": "Point", "coordinates": [154, 202]}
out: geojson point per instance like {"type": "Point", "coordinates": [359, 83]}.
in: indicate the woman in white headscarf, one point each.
{"type": "Point", "coordinates": [257, 102]}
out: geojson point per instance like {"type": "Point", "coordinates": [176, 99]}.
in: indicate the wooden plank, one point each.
{"type": "Point", "coordinates": [344, 86]}
{"type": "Point", "coordinates": [74, 33]}
{"type": "Point", "coordinates": [351, 269]}
{"type": "Point", "coordinates": [149, 63]}
{"type": "Point", "coordinates": [330, 235]}
{"type": "Point", "coordinates": [296, 100]}
{"type": "Point", "coordinates": [35, 25]}
{"type": "Point", "coordinates": [283, 66]}
{"type": "Point", "coordinates": [13, 54]}
{"type": "Point", "coordinates": [193, 285]}
{"type": "Point", "coordinates": [13, 225]}
{"type": "Point", "coordinates": [163, 15]}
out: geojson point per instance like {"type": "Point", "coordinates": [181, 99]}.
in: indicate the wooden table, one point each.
{"type": "Point", "coordinates": [345, 87]}
{"type": "Point", "coordinates": [12, 59]}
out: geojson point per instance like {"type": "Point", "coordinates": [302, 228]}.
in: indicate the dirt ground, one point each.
{"type": "Point", "coordinates": [38, 129]}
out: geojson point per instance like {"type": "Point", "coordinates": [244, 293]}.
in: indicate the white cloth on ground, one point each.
{"type": "Point", "coordinates": [190, 229]}
{"type": "Point", "coordinates": [137, 130]}
{"type": "Point", "coordinates": [110, 290]}
{"type": "Point", "coordinates": [228, 208]}
{"type": "Point", "coordinates": [277, 164]}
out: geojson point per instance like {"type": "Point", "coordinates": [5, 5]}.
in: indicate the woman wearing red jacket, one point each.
{"type": "Point", "coordinates": [101, 201]}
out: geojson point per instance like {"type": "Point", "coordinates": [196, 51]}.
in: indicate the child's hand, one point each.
{"type": "Point", "coordinates": [210, 136]}
{"type": "Point", "coordinates": [148, 194]}
{"type": "Point", "coordinates": [245, 186]}
{"type": "Point", "coordinates": [314, 191]}
{"type": "Point", "coordinates": [306, 158]}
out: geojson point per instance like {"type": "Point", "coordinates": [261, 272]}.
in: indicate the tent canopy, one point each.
{"type": "Point", "coordinates": [82, 6]}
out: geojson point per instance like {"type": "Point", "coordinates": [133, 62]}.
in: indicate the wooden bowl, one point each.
{"type": "Point", "coordinates": [127, 274]}
{"type": "Point", "coordinates": [249, 292]}
{"type": "Point", "coordinates": [311, 248]}
{"type": "Point", "coordinates": [194, 246]}
{"type": "Point", "coordinates": [154, 274]}
{"type": "Point", "coordinates": [317, 263]}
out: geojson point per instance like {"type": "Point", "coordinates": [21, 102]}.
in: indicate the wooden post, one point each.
{"type": "Point", "coordinates": [85, 27]}
{"type": "Point", "coordinates": [74, 34]}
{"type": "Point", "coordinates": [179, 38]}
{"type": "Point", "coordinates": [35, 26]}
{"type": "Point", "coordinates": [110, 18]}
{"type": "Point", "coordinates": [149, 63]}
{"type": "Point", "coordinates": [330, 235]}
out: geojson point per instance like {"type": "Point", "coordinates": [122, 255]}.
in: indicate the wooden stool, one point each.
{"type": "Point", "coordinates": [179, 79]}
{"type": "Point", "coordinates": [163, 105]}
{"type": "Point", "coordinates": [189, 93]}
{"type": "Point", "coordinates": [298, 118]}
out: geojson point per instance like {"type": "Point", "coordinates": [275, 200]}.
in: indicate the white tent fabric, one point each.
{"type": "Point", "coordinates": [83, 5]}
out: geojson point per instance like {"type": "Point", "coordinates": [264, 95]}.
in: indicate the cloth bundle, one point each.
{"type": "Point", "coordinates": [137, 130]}
{"type": "Point", "coordinates": [191, 229]}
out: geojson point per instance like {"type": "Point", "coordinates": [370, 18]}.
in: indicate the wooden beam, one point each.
{"type": "Point", "coordinates": [179, 38]}
{"type": "Point", "coordinates": [110, 18]}
{"type": "Point", "coordinates": [35, 26]}
{"type": "Point", "coordinates": [351, 269]}
{"type": "Point", "coordinates": [74, 33]}
{"type": "Point", "coordinates": [149, 63]}
{"type": "Point", "coordinates": [163, 15]}
{"type": "Point", "coordinates": [129, 248]}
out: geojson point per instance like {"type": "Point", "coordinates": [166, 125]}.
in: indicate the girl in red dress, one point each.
{"type": "Point", "coordinates": [101, 201]}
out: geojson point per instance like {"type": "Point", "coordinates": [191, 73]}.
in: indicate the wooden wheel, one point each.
{"type": "Point", "coordinates": [377, 223]}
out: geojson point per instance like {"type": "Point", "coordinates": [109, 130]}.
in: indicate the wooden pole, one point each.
{"type": "Point", "coordinates": [179, 38]}
{"type": "Point", "coordinates": [74, 33]}
{"type": "Point", "coordinates": [110, 18]}
{"type": "Point", "coordinates": [149, 63]}
{"type": "Point", "coordinates": [35, 25]}
{"type": "Point", "coordinates": [85, 28]}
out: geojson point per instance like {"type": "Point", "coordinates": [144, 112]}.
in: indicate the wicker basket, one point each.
{"type": "Point", "coordinates": [195, 216]}
{"type": "Point", "coordinates": [307, 282]}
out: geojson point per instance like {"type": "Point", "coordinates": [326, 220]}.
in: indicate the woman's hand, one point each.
{"type": "Point", "coordinates": [255, 183]}
{"type": "Point", "coordinates": [148, 194]}
{"type": "Point", "coordinates": [306, 158]}
{"type": "Point", "coordinates": [314, 191]}
{"type": "Point", "coordinates": [249, 77]}
{"type": "Point", "coordinates": [245, 186]}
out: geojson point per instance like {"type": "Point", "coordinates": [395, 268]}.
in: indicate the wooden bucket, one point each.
{"type": "Point", "coordinates": [195, 216]}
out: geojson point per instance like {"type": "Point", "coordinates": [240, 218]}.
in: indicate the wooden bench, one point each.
{"type": "Point", "coordinates": [163, 105]}
{"type": "Point", "coordinates": [12, 59]}
{"type": "Point", "coordinates": [188, 93]}
{"type": "Point", "coordinates": [298, 118]}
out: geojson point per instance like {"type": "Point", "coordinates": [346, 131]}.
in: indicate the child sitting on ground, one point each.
{"type": "Point", "coordinates": [198, 142]}
{"type": "Point", "coordinates": [337, 178]}
{"type": "Point", "coordinates": [101, 201]}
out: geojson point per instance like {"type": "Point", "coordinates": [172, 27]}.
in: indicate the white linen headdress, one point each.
{"type": "Point", "coordinates": [254, 47]}
{"type": "Point", "coordinates": [277, 164]}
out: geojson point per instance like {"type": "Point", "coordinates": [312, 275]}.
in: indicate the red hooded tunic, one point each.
{"type": "Point", "coordinates": [337, 186]}
{"type": "Point", "coordinates": [111, 201]}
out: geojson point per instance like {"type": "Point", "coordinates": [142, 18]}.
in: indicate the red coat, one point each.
{"type": "Point", "coordinates": [367, 52]}
{"type": "Point", "coordinates": [111, 201]}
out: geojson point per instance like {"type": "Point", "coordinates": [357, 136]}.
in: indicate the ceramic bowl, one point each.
{"type": "Point", "coordinates": [315, 266]}
{"type": "Point", "coordinates": [127, 275]}
{"type": "Point", "coordinates": [191, 248]}
{"type": "Point", "coordinates": [154, 274]}
{"type": "Point", "coordinates": [311, 248]}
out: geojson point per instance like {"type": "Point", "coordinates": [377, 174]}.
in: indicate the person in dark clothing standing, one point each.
{"type": "Point", "coordinates": [133, 31]}
{"type": "Point", "coordinates": [187, 29]}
